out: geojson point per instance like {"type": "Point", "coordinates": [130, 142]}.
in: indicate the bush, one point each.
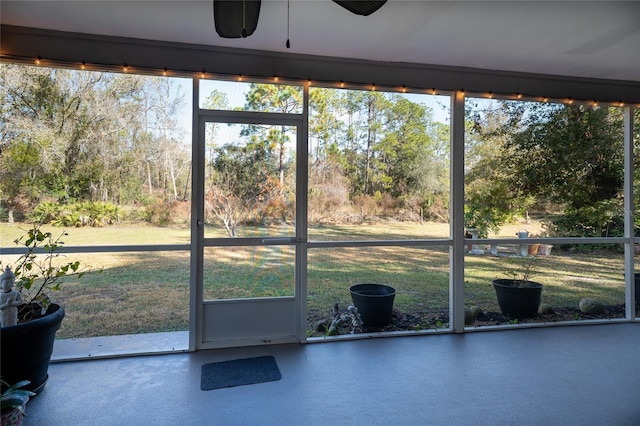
{"type": "Point", "coordinates": [82, 213]}
{"type": "Point", "coordinates": [158, 214]}
{"type": "Point", "coordinates": [603, 219]}
{"type": "Point", "coordinates": [365, 205]}
{"type": "Point", "coordinates": [277, 209]}
{"type": "Point", "coordinates": [45, 212]}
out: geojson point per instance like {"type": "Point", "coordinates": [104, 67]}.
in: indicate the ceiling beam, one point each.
{"type": "Point", "coordinates": [22, 42]}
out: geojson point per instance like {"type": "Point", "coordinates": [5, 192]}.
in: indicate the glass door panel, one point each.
{"type": "Point", "coordinates": [248, 272]}
{"type": "Point", "coordinates": [249, 183]}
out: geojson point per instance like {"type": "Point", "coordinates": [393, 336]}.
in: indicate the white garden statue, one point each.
{"type": "Point", "coordinates": [10, 299]}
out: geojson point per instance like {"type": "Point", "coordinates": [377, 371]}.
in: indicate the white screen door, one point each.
{"type": "Point", "coordinates": [249, 232]}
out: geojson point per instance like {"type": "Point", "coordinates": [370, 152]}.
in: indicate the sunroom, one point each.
{"type": "Point", "coordinates": [274, 172]}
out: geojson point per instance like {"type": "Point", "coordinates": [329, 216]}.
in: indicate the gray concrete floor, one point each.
{"type": "Point", "coordinates": [578, 375]}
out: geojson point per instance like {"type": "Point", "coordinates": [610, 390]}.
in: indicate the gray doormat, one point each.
{"type": "Point", "coordinates": [239, 372]}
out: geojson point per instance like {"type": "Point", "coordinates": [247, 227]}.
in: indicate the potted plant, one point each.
{"type": "Point", "coordinates": [13, 403]}
{"type": "Point", "coordinates": [533, 248]}
{"type": "Point", "coordinates": [29, 318]}
{"type": "Point", "coordinates": [517, 295]}
{"type": "Point", "coordinates": [374, 303]}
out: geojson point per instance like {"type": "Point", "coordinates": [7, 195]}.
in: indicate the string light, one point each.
{"type": "Point", "coordinates": [342, 84]}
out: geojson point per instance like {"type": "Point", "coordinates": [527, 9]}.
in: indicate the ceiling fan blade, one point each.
{"type": "Point", "coordinates": [361, 7]}
{"type": "Point", "coordinates": [235, 18]}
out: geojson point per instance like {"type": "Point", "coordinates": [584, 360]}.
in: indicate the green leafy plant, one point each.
{"type": "Point", "coordinates": [38, 270]}
{"type": "Point", "coordinates": [14, 396]}
{"type": "Point", "coordinates": [76, 214]}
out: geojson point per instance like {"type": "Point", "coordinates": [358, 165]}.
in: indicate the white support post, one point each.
{"type": "Point", "coordinates": [629, 268]}
{"type": "Point", "coordinates": [302, 191]}
{"type": "Point", "coordinates": [197, 211]}
{"type": "Point", "coordinates": [456, 276]}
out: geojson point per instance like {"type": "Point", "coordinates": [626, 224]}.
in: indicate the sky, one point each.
{"type": "Point", "coordinates": [236, 97]}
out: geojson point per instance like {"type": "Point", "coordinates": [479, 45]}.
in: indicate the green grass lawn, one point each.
{"type": "Point", "coordinates": [149, 291]}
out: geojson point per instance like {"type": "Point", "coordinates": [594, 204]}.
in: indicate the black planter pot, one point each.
{"type": "Point", "coordinates": [27, 347]}
{"type": "Point", "coordinates": [518, 302]}
{"type": "Point", "coordinates": [374, 303]}
{"type": "Point", "coordinates": [637, 281]}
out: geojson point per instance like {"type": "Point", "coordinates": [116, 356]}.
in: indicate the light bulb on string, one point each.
{"type": "Point", "coordinates": [341, 83]}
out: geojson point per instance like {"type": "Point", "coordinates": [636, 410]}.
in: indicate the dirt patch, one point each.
{"type": "Point", "coordinates": [433, 320]}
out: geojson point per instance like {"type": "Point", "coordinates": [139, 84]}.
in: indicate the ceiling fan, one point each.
{"type": "Point", "coordinates": [235, 18]}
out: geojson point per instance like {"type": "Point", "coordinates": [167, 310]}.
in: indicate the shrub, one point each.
{"type": "Point", "coordinates": [158, 214]}
{"type": "Point", "coordinates": [365, 205]}
{"type": "Point", "coordinates": [603, 219]}
{"type": "Point", "coordinates": [82, 213]}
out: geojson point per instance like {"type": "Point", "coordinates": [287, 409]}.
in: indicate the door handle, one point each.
{"type": "Point", "coordinates": [278, 240]}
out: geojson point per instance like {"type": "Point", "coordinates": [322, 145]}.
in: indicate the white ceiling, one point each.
{"type": "Point", "coordinates": [599, 39]}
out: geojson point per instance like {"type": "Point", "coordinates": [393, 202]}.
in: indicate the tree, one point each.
{"type": "Point", "coordinates": [79, 135]}
{"type": "Point", "coordinates": [273, 98]}
{"type": "Point", "coordinates": [491, 198]}
{"type": "Point", "coordinates": [328, 187]}
{"type": "Point", "coordinates": [573, 156]}
{"type": "Point", "coordinates": [568, 155]}
{"type": "Point", "coordinates": [241, 179]}
{"type": "Point", "coordinates": [406, 147]}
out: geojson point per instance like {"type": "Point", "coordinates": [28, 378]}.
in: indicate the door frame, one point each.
{"type": "Point", "coordinates": [271, 320]}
